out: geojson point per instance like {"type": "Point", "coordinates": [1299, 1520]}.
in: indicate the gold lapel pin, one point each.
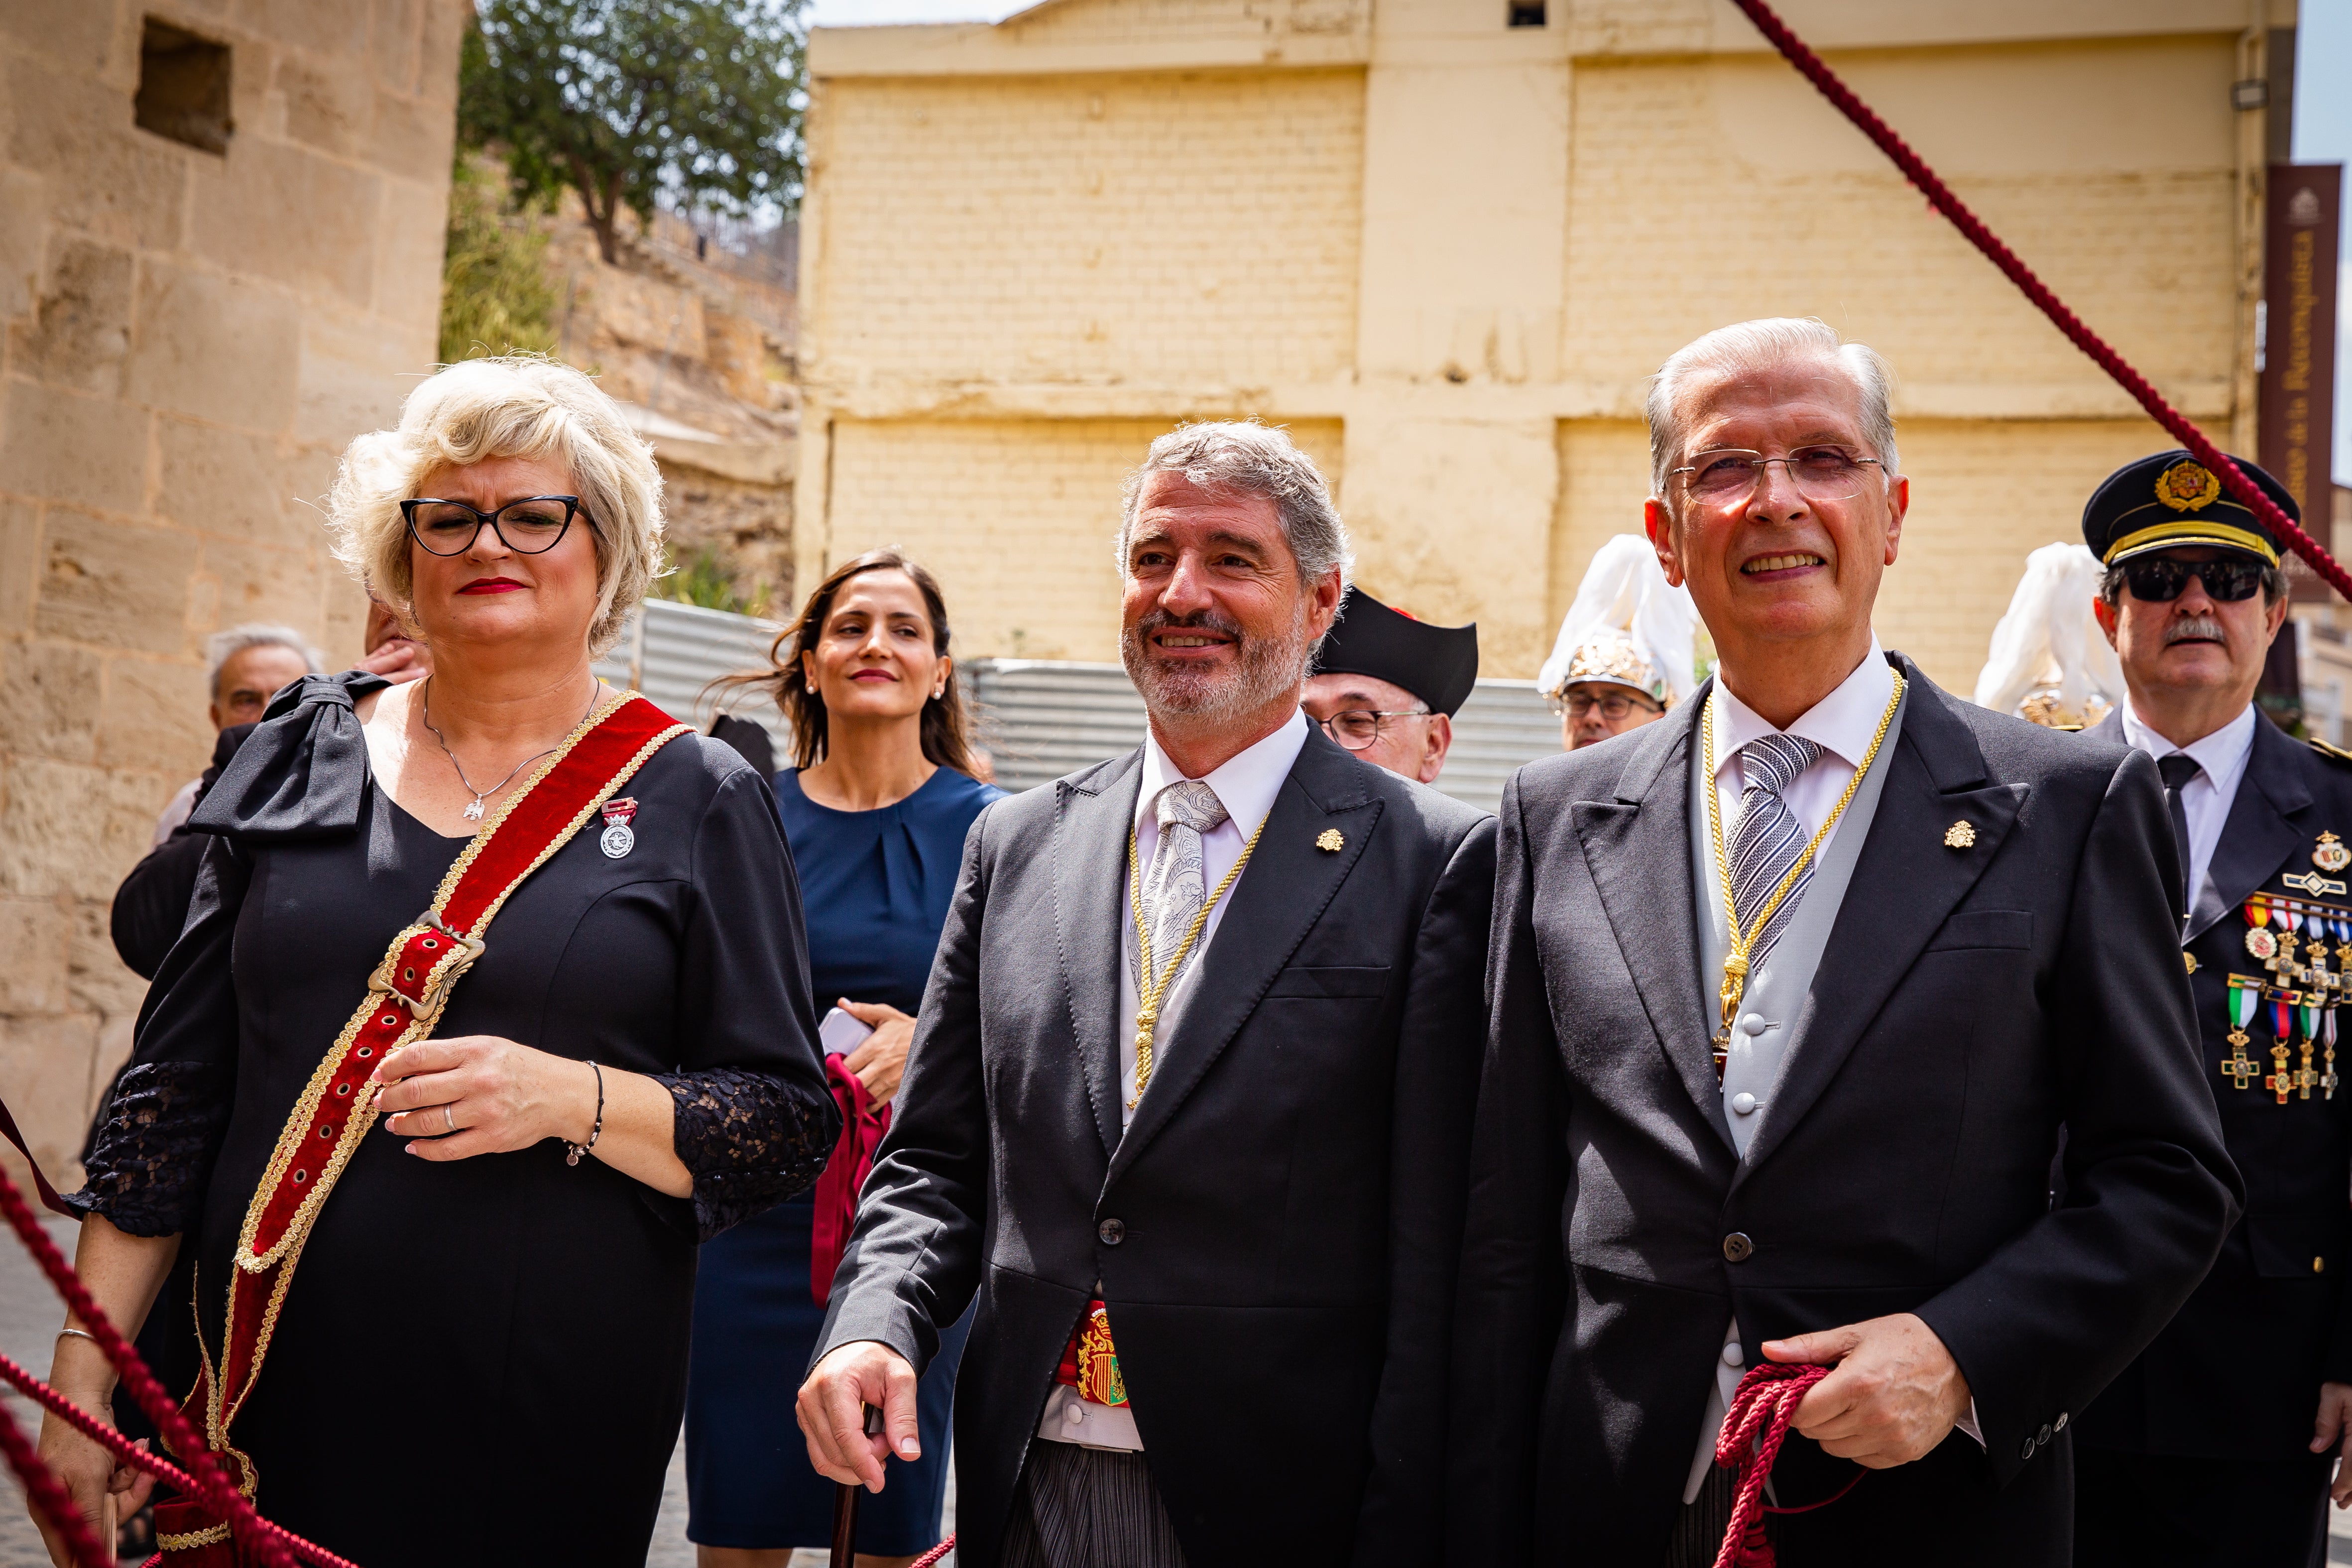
{"type": "Point", "coordinates": [1331, 841]}
{"type": "Point", "coordinates": [1961, 834]}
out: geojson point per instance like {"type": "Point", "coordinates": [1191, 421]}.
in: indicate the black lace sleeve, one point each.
{"type": "Point", "coordinates": [750, 1139]}
{"type": "Point", "coordinates": [155, 1148]}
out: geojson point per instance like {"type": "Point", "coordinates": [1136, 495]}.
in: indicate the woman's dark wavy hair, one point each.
{"type": "Point", "coordinates": [947, 729]}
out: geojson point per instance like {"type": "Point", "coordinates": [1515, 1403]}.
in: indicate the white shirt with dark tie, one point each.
{"type": "Point", "coordinates": [1245, 785]}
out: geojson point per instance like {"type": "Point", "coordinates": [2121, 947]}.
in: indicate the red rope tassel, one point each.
{"type": "Point", "coordinates": [1753, 1428]}
{"type": "Point", "coordinates": [271, 1545]}
{"type": "Point", "coordinates": [1939, 196]}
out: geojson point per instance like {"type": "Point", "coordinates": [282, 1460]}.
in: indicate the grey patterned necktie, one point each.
{"type": "Point", "coordinates": [1768, 837]}
{"type": "Point", "coordinates": [1177, 884]}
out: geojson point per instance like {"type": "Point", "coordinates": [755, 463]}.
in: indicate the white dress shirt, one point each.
{"type": "Point", "coordinates": [1843, 724]}
{"type": "Point", "coordinates": [2206, 799]}
{"type": "Point", "coordinates": [1246, 786]}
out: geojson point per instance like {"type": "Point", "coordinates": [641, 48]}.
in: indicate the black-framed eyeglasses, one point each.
{"type": "Point", "coordinates": [1822, 473]}
{"type": "Point", "coordinates": [2160, 579]}
{"type": "Point", "coordinates": [1359, 729]}
{"type": "Point", "coordinates": [530, 526]}
{"type": "Point", "coordinates": [1614, 706]}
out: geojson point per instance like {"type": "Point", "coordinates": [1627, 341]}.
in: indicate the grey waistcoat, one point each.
{"type": "Point", "coordinates": [1773, 1014]}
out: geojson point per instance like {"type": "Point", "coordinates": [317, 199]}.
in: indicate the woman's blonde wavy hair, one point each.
{"type": "Point", "coordinates": [514, 405]}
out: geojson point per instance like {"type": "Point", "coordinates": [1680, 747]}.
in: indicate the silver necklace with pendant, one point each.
{"type": "Point", "coordinates": [474, 812]}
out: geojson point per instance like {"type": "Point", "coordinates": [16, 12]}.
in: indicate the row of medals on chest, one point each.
{"type": "Point", "coordinates": [2291, 938]}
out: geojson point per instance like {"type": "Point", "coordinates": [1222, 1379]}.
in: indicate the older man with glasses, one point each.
{"type": "Point", "coordinates": [2215, 1446]}
{"type": "Point", "coordinates": [1387, 685]}
{"type": "Point", "coordinates": [1791, 995]}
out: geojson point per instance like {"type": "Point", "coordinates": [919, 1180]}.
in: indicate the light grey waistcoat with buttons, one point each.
{"type": "Point", "coordinates": [1772, 1012]}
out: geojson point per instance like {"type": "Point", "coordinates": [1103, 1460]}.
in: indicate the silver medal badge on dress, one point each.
{"type": "Point", "coordinates": [619, 838]}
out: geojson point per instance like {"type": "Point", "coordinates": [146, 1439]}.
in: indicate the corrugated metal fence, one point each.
{"type": "Point", "coordinates": [1038, 719]}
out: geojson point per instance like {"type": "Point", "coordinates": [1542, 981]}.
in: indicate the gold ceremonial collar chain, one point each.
{"type": "Point", "coordinates": [1151, 991]}
{"type": "Point", "coordinates": [1741, 943]}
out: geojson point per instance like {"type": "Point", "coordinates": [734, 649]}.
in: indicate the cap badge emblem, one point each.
{"type": "Point", "coordinates": [1961, 834]}
{"type": "Point", "coordinates": [2331, 854]}
{"type": "Point", "coordinates": [1331, 841]}
{"type": "Point", "coordinates": [2188, 487]}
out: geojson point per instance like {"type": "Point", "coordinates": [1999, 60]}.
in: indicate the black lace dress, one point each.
{"type": "Point", "coordinates": [482, 1362]}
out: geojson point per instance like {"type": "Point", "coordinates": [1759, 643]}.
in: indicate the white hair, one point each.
{"type": "Point", "coordinates": [222, 646]}
{"type": "Point", "coordinates": [1243, 457]}
{"type": "Point", "coordinates": [514, 405]}
{"type": "Point", "coordinates": [1755, 345]}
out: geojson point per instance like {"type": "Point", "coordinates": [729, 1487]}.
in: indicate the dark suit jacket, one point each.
{"type": "Point", "coordinates": [1970, 1001]}
{"type": "Point", "coordinates": [2236, 1374]}
{"type": "Point", "coordinates": [1290, 1189]}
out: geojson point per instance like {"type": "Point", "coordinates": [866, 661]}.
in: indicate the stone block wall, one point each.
{"type": "Point", "coordinates": [190, 340]}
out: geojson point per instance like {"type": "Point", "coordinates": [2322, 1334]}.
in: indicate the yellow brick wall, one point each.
{"type": "Point", "coordinates": [1715, 190]}
{"type": "Point", "coordinates": [1169, 229]}
{"type": "Point", "coordinates": [1017, 518]}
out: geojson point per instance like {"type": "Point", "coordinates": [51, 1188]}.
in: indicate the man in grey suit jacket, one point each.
{"type": "Point", "coordinates": [1792, 992]}
{"type": "Point", "coordinates": [1188, 1100]}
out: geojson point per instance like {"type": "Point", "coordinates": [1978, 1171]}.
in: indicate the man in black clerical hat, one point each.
{"type": "Point", "coordinates": [2215, 1446]}
{"type": "Point", "coordinates": [1387, 686]}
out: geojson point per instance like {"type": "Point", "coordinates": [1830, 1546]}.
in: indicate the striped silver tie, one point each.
{"type": "Point", "coordinates": [1768, 837]}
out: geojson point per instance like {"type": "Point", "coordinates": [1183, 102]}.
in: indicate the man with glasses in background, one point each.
{"type": "Point", "coordinates": [2215, 1446]}
{"type": "Point", "coordinates": [1624, 653]}
{"type": "Point", "coordinates": [1386, 686]}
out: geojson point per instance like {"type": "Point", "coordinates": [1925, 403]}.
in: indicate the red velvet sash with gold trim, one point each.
{"type": "Point", "coordinates": [404, 1004]}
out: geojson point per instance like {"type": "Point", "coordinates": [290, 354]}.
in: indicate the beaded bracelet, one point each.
{"type": "Point", "coordinates": [571, 1151]}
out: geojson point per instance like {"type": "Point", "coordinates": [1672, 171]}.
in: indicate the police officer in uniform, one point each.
{"type": "Point", "coordinates": [2217, 1445]}
{"type": "Point", "coordinates": [1387, 685]}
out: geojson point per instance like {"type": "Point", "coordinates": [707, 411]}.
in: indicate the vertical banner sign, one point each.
{"type": "Point", "coordinates": [2298, 379]}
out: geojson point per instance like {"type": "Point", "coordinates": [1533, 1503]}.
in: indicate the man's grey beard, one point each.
{"type": "Point", "coordinates": [1266, 670]}
{"type": "Point", "coordinates": [2195, 626]}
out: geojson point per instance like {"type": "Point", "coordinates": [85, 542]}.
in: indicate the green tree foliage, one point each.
{"type": "Point", "coordinates": [623, 101]}
{"type": "Point", "coordinates": [703, 577]}
{"type": "Point", "coordinates": [495, 297]}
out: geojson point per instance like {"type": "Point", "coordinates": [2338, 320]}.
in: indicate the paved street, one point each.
{"type": "Point", "coordinates": [29, 1316]}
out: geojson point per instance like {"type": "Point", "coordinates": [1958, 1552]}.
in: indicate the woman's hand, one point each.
{"type": "Point", "coordinates": [90, 1474]}
{"type": "Point", "coordinates": [880, 1060]}
{"type": "Point", "coordinates": [477, 1094]}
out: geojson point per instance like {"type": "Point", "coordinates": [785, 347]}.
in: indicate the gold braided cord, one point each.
{"type": "Point", "coordinates": [1740, 943]}
{"type": "Point", "coordinates": [1148, 991]}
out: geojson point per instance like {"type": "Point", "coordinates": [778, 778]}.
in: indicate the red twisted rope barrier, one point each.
{"type": "Point", "coordinates": [1753, 1429]}
{"type": "Point", "coordinates": [1939, 196]}
{"type": "Point", "coordinates": [272, 1545]}
{"type": "Point", "coordinates": [935, 1553]}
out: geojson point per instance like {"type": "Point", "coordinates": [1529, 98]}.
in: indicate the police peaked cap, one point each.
{"type": "Point", "coordinates": [1437, 664]}
{"type": "Point", "coordinates": [2171, 499]}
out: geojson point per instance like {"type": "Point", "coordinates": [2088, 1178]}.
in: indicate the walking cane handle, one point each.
{"type": "Point", "coordinates": [844, 1504]}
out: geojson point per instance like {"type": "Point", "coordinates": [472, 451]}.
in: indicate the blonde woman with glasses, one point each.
{"type": "Point", "coordinates": [492, 1133]}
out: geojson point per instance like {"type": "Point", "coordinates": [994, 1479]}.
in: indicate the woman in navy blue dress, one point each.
{"type": "Point", "coordinates": [876, 814]}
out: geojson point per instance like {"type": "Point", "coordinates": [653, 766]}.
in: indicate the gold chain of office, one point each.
{"type": "Point", "coordinates": [1742, 943]}
{"type": "Point", "coordinates": [1149, 991]}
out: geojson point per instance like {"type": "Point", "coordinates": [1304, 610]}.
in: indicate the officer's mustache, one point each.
{"type": "Point", "coordinates": [2195, 628]}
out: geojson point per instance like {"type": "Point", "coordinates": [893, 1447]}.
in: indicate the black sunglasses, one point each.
{"type": "Point", "coordinates": [2160, 579]}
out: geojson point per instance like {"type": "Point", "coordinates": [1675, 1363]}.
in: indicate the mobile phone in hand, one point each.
{"type": "Point", "coordinates": [840, 1034]}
